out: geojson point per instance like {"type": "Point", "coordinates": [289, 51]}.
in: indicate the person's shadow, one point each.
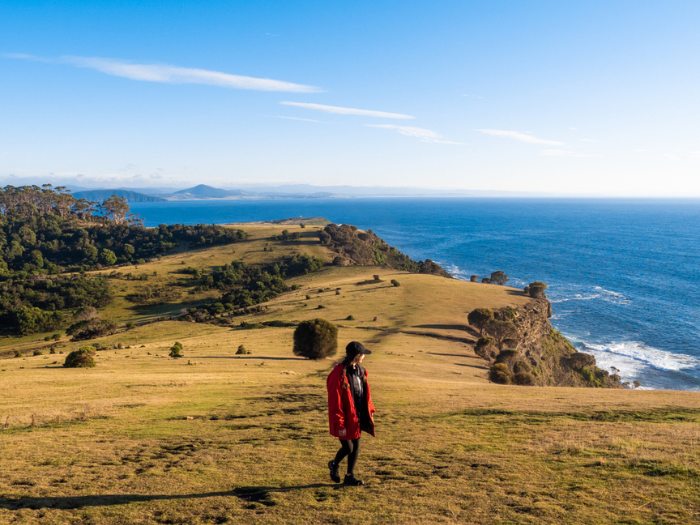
{"type": "Point", "coordinates": [248, 494]}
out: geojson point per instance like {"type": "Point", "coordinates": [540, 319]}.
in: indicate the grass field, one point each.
{"type": "Point", "coordinates": [216, 437]}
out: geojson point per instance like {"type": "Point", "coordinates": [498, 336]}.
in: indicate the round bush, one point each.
{"type": "Point", "coordinates": [537, 289]}
{"type": "Point", "coordinates": [499, 373]}
{"type": "Point", "coordinates": [484, 346]}
{"type": "Point", "coordinates": [395, 282]}
{"type": "Point", "coordinates": [84, 357]}
{"type": "Point", "coordinates": [242, 350]}
{"type": "Point", "coordinates": [524, 379]}
{"type": "Point", "coordinates": [315, 339]}
{"type": "Point", "coordinates": [480, 317]}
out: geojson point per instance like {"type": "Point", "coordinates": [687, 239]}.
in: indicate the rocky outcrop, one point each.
{"type": "Point", "coordinates": [539, 354]}
{"type": "Point", "coordinates": [365, 248]}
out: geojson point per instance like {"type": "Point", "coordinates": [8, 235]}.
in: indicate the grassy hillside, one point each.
{"type": "Point", "coordinates": [216, 437]}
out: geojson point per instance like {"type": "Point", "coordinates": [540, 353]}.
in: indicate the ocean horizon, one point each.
{"type": "Point", "coordinates": [623, 274]}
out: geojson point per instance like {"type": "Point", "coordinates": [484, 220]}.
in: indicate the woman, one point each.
{"type": "Point", "coordinates": [350, 409]}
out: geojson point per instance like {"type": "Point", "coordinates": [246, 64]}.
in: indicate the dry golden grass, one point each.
{"type": "Point", "coordinates": [218, 438]}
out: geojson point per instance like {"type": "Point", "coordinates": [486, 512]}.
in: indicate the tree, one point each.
{"type": "Point", "coordinates": [108, 257]}
{"type": "Point", "coordinates": [484, 346]}
{"type": "Point", "coordinates": [115, 208]}
{"type": "Point", "coordinates": [82, 358]}
{"type": "Point", "coordinates": [480, 318]}
{"type": "Point", "coordinates": [474, 279]}
{"type": "Point", "coordinates": [501, 331]}
{"type": "Point", "coordinates": [176, 350]}
{"type": "Point", "coordinates": [499, 278]}
{"type": "Point", "coordinates": [536, 289]}
{"type": "Point", "coordinates": [315, 339]}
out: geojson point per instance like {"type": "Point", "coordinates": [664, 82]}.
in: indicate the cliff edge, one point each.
{"type": "Point", "coordinates": [537, 354]}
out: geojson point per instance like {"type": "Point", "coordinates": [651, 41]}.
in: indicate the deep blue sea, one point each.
{"type": "Point", "coordinates": [623, 275]}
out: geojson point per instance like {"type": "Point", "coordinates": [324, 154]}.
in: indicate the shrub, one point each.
{"type": "Point", "coordinates": [580, 360]}
{"type": "Point", "coordinates": [537, 289]}
{"type": "Point", "coordinates": [499, 373]}
{"type": "Point", "coordinates": [484, 346]}
{"type": "Point", "coordinates": [524, 379]}
{"type": "Point", "coordinates": [395, 282]}
{"type": "Point", "coordinates": [526, 290]}
{"type": "Point", "coordinates": [376, 277]}
{"type": "Point", "coordinates": [52, 350]}
{"type": "Point", "coordinates": [320, 307]}
{"type": "Point", "coordinates": [349, 318]}
{"type": "Point", "coordinates": [521, 366]}
{"type": "Point", "coordinates": [337, 292]}
{"type": "Point", "coordinates": [486, 280]}
{"type": "Point", "coordinates": [129, 325]}
{"type": "Point", "coordinates": [47, 338]}
{"type": "Point", "coordinates": [474, 279]}
{"type": "Point", "coordinates": [242, 350]}
{"type": "Point", "coordinates": [18, 353]}
{"type": "Point", "coordinates": [480, 318]}
{"type": "Point", "coordinates": [84, 357]}
{"type": "Point", "coordinates": [38, 352]}
{"type": "Point", "coordinates": [308, 297]}
{"type": "Point", "coordinates": [499, 278]}
{"type": "Point", "coordinates": [176, 350]}
{"type": "Point", "coordinates": [506, 356]}
{"type": "Point", "coordinates": [315, 339]}
{"type": "Point", "coordinates": [56, 337]}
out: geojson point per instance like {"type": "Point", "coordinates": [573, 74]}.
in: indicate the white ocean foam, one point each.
{"type": "Point", "coordinates": [600, 293]}
{"type": "Point", "coordinates": [642, 354]}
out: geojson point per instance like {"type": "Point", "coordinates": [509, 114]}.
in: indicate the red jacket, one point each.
{"type": "Point", "coordinates": [342, 416]}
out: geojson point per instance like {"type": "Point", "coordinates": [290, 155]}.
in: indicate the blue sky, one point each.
{"type": "Point", "coordinates": [587, 98]}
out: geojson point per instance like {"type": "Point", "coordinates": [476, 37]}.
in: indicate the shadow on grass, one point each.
{"type": "Point", "coordinates": [258, 357]}
{"type": "Point", "coordinates": [248, 494]}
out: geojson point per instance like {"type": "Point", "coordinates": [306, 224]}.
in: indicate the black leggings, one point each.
{"type": "Point", "coordinates": [349, 448]}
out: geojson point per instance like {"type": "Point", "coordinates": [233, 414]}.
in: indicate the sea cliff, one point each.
{"type": "Point", "coordinates": [542, 355]}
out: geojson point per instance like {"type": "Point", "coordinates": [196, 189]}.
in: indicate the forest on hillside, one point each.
{"type": "Point", "coordinates": [49, 239]}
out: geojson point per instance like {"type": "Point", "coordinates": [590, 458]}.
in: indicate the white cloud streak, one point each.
{"type": "Point", "coordinates": [424, 135]}
{"type": "Point", "coordinates": [302, 119]}
{"type": "Point", "coordinates": [564, 153]}
{"type": "Point", "coordinates": [347, 111]}
{"type": "Point", "coordinates": [522, 137]}
{"type": "Point", "coordinates": [168, 74]}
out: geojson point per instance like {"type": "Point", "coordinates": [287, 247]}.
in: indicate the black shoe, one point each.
{"type": "Point", "coordinates": [334, 471]}
{"type": "Point", "coordinates": [351, 481]}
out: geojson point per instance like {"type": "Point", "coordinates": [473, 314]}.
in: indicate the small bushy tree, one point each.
{"type": "Point", "coordinates": [480, 317]}
{"type": "Point", "coordinates": [501, 331]}
{"type": "Point", "coordinates": [84, 357]}
{"type": "Point", "coordinates": [499, 278]}
{"type": "Point", "coordinates": [395, 282]}
{"type": "Point", "coordinates": [537, 289]}
{"type": "Point", "coordinates": [315, 339]}
{"type": "Point", "coordinates": [474, 279]}
{"type": "Point", "coordinates": [176, 350]}
{"type": "Point", "coordinates": [484, 347]}
{"type": "Point", "coordinates": [242, 350]}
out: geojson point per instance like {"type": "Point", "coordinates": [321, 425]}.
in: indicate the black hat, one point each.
{"type": "Point", "coordinates": [354, 348]}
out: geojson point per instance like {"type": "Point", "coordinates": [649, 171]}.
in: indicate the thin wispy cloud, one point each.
{"type": "Point", "coordinates": [347, 111]}
{"type": "Point", "coordinates": [522, 137]}
{"type": "Point", "coordinates": [564, 153]}
{"type": "Point", "coordinates": [422, 134]}
{"type": "Point", "coordinates": [302, 119]}
{"type": "Point", "coordinates": [168, 74]}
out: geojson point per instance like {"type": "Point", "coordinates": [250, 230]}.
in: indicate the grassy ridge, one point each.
{"type": "Point", "coordinates": [219, 438]}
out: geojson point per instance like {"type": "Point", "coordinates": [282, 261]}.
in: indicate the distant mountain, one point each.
{"type": "Point", "coordinates": [206, 192]}
{"type": "Point", "coordinates": [102, 195]}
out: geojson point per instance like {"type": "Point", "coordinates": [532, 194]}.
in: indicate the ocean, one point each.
{"type": "Point", "coordinates": [623, 275]}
